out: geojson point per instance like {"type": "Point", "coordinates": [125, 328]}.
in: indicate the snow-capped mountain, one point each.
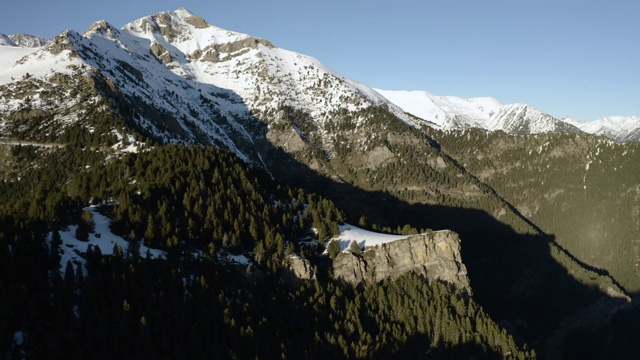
{"type": "Point", "coordinates": [451, 112]}
{"type": "Point", "coordinates": [28, 41]}
{"type": "Point", "coordinates": [445, 112]}
{"type": "Point", "coordinates": [523, 119]}
{"type": "Point", "coordinates": [179, 78]}
{"type": "Point", "coordinates": [174, 77]}
{"type": "Point", "coordinates": [23, 40]}
{"type": "Point", "coordinates": [619, 128]}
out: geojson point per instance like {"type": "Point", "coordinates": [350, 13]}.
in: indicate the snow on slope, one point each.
{"type": "Point", "coordinates": [204, 84]}
{"type": "Point", "coordinates": [250, 67]}
{"type": "Point", "coordinates": [445, 111]}
{"type": "Point", "coordinates": [451, 112]}
{"type": "Point", "coordinates": [523, 119]}
{"type": "Point", "coordinates": [619, 128]}
{"type": "Point", "coordinates": [73, 249]}
{"type": "Point", "coordinates": [38, 62]}
{"type": "Point", "coordinates": [9, 55]}
{"type": "Point", "coordinates": [364, 238]}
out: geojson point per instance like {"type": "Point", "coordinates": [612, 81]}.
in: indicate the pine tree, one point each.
{"type": "Point", "coordinates": [354, 247]}
{"type": "Point", "coordinates": [333, 249]}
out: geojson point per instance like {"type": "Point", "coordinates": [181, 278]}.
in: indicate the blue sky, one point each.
{"type": "Point", "coordinates": [566, 58]}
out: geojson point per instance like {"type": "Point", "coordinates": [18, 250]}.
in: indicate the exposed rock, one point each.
{"type": "Point", "coordinates": [223, 52]}
{"type": "Point", "coordinates": [297, 270]}
{"type": "Point", "coordinates": [28, 41]}
{"type": "Point", "coordinates": [437, 163]}
{"type": "Point", "coordinates": [379, 156]}
{"type": "Point", "coordinates": [161, 53]}
{"type": "Point", "coordinates": [197, 22]}
{"type": "Point", "coordinates": [61, 43]}
{"type": "Point", "coordinates": [290, 140]}
{"type": "Point", "coordinates": [434, 255]}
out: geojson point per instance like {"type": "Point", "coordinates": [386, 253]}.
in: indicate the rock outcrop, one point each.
{"type": "Point", "coordinates": [434, 255]}
{"type": "Point", "coordinates": [298, 270]}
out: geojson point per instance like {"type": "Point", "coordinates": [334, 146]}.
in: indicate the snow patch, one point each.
{"type": "Point", "coordinates": [364, 238]}
{"type": "Point", "coordinates": [74, 250]}
{"type": "Point", "coordinates": [239, 259]}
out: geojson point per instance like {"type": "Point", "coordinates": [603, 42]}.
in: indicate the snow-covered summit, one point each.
{"type": "Point", "coordinates": [619, 128]}
{"type": "Point", "coordinates": [29, 41]}
{"type": "Point", "coordinates": [523, 119]}
{"type": "Point", "coordinates": [23, 41]}
{"type": "Point", "coordinates": [452, 112]}
{"type": "Point", "coordinates": [185, 80]}
{"type": "Point", "coordinates": [184, 30]}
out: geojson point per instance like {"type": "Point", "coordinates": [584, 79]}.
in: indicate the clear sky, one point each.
{"type": "Point", "coordinates": [578, 58]}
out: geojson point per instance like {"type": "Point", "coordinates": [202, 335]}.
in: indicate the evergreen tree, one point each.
{"type": "Point", "coordinates": [354, 248]}
{"type": "Point", "coordinates": [333, 249]}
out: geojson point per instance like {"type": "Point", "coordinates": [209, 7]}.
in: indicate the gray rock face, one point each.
{"type": "Point", "coordinates": [298, 270]}
{"type": "Point", "coordinates": [436, 256]}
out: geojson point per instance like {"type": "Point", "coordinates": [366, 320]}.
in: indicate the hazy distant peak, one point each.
{"type": "Point", "coordinates": [29, 41]}
{"type": "Point", "coordinates": [452, 112]}
{"type": "Point", "coordinates": [619, 128]}
{"type": "Point", "coordinates": [6, 41]}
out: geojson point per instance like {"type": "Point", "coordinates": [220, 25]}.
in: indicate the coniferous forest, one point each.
{"type": "Point", "coordinates": [196, 203]}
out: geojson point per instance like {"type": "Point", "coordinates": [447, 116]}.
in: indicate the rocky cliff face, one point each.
{"type": "Point", "coordinates": [436, 256]}
{"type": "Point", "coordinates": [298, 270]}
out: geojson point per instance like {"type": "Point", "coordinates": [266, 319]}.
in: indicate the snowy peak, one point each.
{"type": "Point", "coordinates": [181, 28]}
{"type": "Point", "coordinates": [181, 79]}
{"type": "Point", "coordinates": [523, 119]}
{"type": "Point", "coordinates": [29, 41]}
{"type": "Point", "coordinates": [619, 128]}
{"type": "Point", "coordinates": [102, 28]}
{"type": "Point", "coordinates": [23, 41]}
{"type": "Point", "coordinates": [451, 112]}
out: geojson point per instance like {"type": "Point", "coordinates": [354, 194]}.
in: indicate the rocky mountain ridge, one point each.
{"type": "Point", "coordinates": [181, 80]}
{"type": "Point", "coordinates": [435, 255]}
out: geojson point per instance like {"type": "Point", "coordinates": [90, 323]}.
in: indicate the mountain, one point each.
{"type": "Point", "coordinates": [445, 112]}
{"type": "Point", "coordinates": [619, 128]}
{"type": "Point", "coordinates": [174, 78]}
{"type": "Point", "coordinates": [181, 79]}
{"type": "Point", "coordinates": [29, 41]}
{"type": "Point", "coordinates": [451, 112]}
{"type": "Point", "coordinates": [6, 41]}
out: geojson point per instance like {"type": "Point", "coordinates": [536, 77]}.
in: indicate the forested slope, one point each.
{"type": "Point", "coordinates": [196, 203]}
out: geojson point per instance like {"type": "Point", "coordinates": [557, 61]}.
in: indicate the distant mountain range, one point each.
{"type": "Point", "coordinates": [23, 40]}
{"type": "Point", "coordinates": [451, 112]}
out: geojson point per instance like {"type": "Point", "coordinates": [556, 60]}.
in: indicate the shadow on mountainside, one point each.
{"type": "Point", "coordinates": [513, 276]}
